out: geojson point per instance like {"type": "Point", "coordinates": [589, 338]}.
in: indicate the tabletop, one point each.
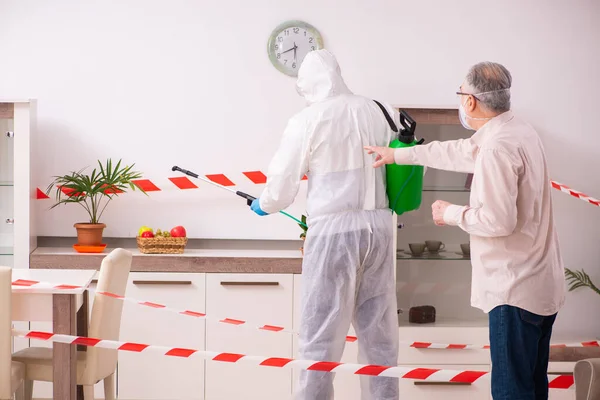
{"type": "Point", "coordinates": [51, 281]}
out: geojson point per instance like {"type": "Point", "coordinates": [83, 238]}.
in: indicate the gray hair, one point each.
{"type": "Point", "coordinates": [493, 81]}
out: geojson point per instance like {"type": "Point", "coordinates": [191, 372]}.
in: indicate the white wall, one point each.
{"type": "Point", "coordinates": [189, 82]}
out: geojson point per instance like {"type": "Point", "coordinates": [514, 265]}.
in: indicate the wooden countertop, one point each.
{"type": "Point", "coordinates": [193, 260]}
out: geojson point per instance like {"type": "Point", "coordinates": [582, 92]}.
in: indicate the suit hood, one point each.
{"type": "Point", "coordinates": [320, 78]}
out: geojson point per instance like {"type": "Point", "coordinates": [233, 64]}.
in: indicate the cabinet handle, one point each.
{"type": "Point", "coordinates": [162, 282]}
{"type": "Point", "coordinates": [249, 283]}
{"type": "Point", "coordinates": [10, 134]}
{"type": "Point", "coordinates": [10, 221]}
{"type": "Point", "coordinates": [433, 383]}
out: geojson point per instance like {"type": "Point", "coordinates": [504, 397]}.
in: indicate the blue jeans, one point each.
{"type": "Point", "coordinates": [520, 346]}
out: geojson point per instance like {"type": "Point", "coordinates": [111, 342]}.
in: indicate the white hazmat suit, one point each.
{"type": "Point", "coordinates": [348, 267]}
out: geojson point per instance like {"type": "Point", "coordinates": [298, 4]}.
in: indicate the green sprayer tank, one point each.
{"type": "Point", "coordinates": [404, 183]}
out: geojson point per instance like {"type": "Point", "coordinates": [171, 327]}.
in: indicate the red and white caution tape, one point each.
{"type": "Point", "coordinates": [163, 307]}
{"type": "Point", "coordinates": [265, 327]}
{"type": "Point", "coordinates": [425, 374]}
{"type": "Point", "coordinates": [575, 193]}
{"type": "Point", "coordinates": [196, 314]}
{"type": "Point", "coordinates": [593, 343]}
{"type": "Point", "coordinates": [259, 178]}
{"type": "Point", "coordinates": [42, 285]}
{"type": "Point", "coordinates": [184, 183]}
{"type": "Point", "coordinates": [450, 346]}
{"type": "Point", "coordinates": [447, 346]}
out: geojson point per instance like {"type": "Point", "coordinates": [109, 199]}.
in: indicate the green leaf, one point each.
{"type": "Point", "coordinates": [91, 188]}
{"type": "Point", "coordinates": [579, 279]}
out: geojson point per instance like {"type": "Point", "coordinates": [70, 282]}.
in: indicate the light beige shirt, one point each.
{"type": "Point", "coordinates": [514, 245]}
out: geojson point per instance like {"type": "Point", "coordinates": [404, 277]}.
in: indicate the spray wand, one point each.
{"type": "Point", "coordinates": [249, 198]}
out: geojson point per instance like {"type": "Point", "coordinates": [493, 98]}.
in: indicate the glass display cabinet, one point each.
{"type": "Point", "coordinates": [17, 239]}
{"type": "Point", "coordinates": [433, 265]}
{"type": "Point", "coordinates": [17, 120]}
{"type": "Point", "coordinates": [6, 189]}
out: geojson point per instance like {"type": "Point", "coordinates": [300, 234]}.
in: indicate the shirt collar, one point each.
{"type": "Point", "coordinates": [493, 124]}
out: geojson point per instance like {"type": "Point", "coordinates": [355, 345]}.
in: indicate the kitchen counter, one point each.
{"type": "Point", "coordinates": [192, 260]}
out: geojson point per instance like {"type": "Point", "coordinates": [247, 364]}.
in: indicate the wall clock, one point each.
{"type": "Point", "coordinates": [290, 42]}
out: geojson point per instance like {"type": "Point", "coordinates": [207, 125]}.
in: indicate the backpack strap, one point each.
{"type": "Point", "coordinates": [387, 117]}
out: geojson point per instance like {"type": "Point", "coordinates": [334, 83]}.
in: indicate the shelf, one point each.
{"type": "Point", "coordinates": [444, 255]}
{"type": "Point", "coordinates": [6, 251]}
{"type": "Point", "coordinates": [6, 183]}
{"type": "Point", "coordinates": [443, 323]}
{"type": "Point", "coordinates": [456, 189]}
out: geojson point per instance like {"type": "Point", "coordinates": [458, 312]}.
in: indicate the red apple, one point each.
{"type": "Point", "coordinates": [178, 231]}
{"type": "Point", "coordinates": [147, 234]}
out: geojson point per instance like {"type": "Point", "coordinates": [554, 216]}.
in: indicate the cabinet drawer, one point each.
{"type": "Point", "coordinates": [258, 299]}
{"type": "Point", "coordinates": [458, 335]}
{"type": "Point", "coordinates": [151, 376]}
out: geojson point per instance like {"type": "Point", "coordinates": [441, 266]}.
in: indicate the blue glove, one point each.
{"type": "Point", "coordinates": [256, 208]}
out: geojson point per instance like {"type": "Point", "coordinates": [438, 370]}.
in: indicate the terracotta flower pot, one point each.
{"type": "Point", "coordinates": [89, 234]}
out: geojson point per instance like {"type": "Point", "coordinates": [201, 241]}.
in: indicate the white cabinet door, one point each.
{"type": "Point", "coordinates": [260, 299]}
{"type": "Point", "coordinates": [152, 376]}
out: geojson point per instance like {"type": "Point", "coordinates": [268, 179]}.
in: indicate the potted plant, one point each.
{"type": "Point", "coordinates": [93, 192]}
{"type": "Point", "coordinates": [304, 227]}
{"type": "Point", "coordinates": [577, 279]}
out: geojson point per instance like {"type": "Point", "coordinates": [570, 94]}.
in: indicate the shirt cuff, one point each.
{"type": "Point", "coordinates": [453, 214]}
{"type": "Point", "coordinates": [403, 156]}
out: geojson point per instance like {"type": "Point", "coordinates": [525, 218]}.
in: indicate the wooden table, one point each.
{"type": "Point", "coordinates": [59, 306]}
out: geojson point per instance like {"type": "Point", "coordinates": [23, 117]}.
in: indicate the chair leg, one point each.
{"type": "Point", "coordinates": [109, 387]}
{"type": "Point", "coordinates": [88, 392]}
{"type": "Point", "coordinates": [28, 389]}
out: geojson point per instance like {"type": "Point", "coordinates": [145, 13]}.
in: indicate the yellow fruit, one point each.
{"type": "Point", "coordinates": [144, 229]}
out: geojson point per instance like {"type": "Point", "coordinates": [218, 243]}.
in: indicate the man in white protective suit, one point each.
{"type": "Point", "coordinates": [348, 267]}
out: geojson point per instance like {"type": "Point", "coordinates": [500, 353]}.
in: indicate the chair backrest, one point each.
{"type": "Point", "coordinates": [105, 321]}
{"type": "Point", "coordinates": [587, 379]}
{"type": "Point", "coordinates": [5, 332]}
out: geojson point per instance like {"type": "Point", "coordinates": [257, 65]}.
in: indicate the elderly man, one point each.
{"type": "Point", "coordinates": [518, 275]}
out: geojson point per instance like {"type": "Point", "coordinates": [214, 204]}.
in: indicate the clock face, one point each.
{"type": "Point", "coordinates": [289, 43]}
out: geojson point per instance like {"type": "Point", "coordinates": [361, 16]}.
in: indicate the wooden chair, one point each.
{"type": "Point", "coordinates": [587, 379]}
{"type": "Point", "coordinates": [95, 364]}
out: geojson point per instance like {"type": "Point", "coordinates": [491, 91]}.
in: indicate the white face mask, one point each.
{"type": "Point", "coordinates": [462, 114]}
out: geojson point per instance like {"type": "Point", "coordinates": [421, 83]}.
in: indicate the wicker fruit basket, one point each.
{"type": "Point", "coordinates": [161, 245]}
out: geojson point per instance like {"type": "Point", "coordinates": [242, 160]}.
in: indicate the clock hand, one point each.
{"type": "Point", "coordinates": [295, 48]}
{"type": "Point", "coordinates": [287, 51]}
